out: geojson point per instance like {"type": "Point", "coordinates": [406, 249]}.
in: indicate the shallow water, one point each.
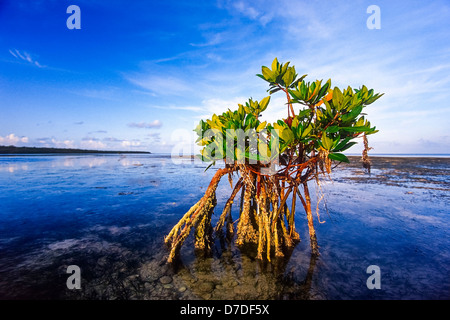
{"type": "Point", "coordinates": [108, 215]}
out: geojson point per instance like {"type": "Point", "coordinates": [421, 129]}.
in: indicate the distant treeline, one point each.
{"type": "Point", "coordinates": [34, 150]}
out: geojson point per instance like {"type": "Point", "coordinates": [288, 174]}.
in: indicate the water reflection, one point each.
{"type": "Point", "coordinates": [230, 276]}
{"type": "Point", "coordinates": [13, 168]}
{"type": "Point", "coordinates": [18, 163]}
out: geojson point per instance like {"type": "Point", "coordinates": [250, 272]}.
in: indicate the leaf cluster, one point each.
{"type": "Point", "coordinates": [329, 119]}
{"type": "Point", "coordinates": [280, 76]}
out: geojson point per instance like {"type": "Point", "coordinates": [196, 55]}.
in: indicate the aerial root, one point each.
{"type": "Point", "coordinates": [265, 224]}
{"type": "Point", "coordinates": [199, 217]}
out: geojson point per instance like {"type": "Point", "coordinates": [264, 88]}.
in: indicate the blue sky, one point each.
{"type": "Point", "coordinates": [139, 75]}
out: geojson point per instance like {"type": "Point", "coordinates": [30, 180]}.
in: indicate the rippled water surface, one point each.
{"type": "Point", "coordinates": [108, 215]}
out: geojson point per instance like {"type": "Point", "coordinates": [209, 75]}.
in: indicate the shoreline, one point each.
{"type": "Point", "coordinates": [13, 150]}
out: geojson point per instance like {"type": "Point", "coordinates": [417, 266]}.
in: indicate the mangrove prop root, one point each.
{"type": "Point", "coordinates": [226, 213]}
{"type": "Point", "coordinates": [203, 231]}
{"type": "Point", "coordinates": [312, 232]}
{"type": "Point", "coordinates": [265, 223]}
{"type": "Point", "coordinates": [246, 232]}
{"type": "Point", "coordinates": [203, 207]}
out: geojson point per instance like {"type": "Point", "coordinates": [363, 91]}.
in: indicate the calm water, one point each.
{"type": "Point", "coordinates": [108, 215]}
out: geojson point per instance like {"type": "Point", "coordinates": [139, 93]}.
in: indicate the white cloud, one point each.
{"type": "Point", "coordinates": [68, 143]}
{"type": "Point", "coordinates": [12, 139]}
{"type": "Point", "coordinates": [148, 125]}
{"type": "Point", "coordinates": [130, 143]}
{"type": "Point", "coordinates": [55, 143]}
{"type": "Point", "coordinates": [25, 56]}
{"type": "Point", "coordinates": [92, 144]}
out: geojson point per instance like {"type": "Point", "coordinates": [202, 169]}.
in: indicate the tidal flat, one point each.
{"type": "Point", "coordinates": [108, 215]}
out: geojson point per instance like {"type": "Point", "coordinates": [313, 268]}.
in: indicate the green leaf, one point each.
{"type": "Point", "coordinates": [337, 96]}
{"type": "Point", "coordinates": [296, 82]}
{"type": "Point", "coordinates": [239, 155]}
{"type": "Point", "coordinates": [295, 122]}
{"type": "Point", "coordinates": [205, 156]}
{"type": "Point", "coordinates": [323, 90]}
{"type": "Point", "coordinates": [284, 67]}
{"type": "Point", "coordinates": [360, 122]}
{"type": "Point", "coordinates": [304, 113]}
{"type": "Point", "coordinates": [352, 114]}
{"type": "Point", "coordinates": [267, 73]}
{"type": "Point", "coordinates": [252, 156]}
{"type": "Point", "coordinates": [306, 131]}
{"type": "Point", "coordinates": [213, 163]}
{"type": "Point", "coordinates": [249, 121]}
{"type": "Point", "coordinates": [261, 126]}
{"type": "Point", "coordinates": [332, 129]}
{"type": "Point", "coordinates": [281, 123]}
{"type": "Point", "coordinates": [261, 76]}
{"type": "Point", "coordinates": [264, 103]}
{"type": "Point", "coordinates": [338, 157]}
{"type": "Point", "coordinates": [287, 135]}
{"type": "Point", "coordinates": [274, 90]}
{"type": "Point", "coordinates": [303, 90]}
{"type": "Point", "coordinates": [328, 109]}
{"type": "Point", "coordinates": [373, 99]}
{"type": "Point", "coordinates": [299, 131]}
{"type": "Point", "coordinates": [342, 144]}
{"type": "Point", "coordinates": [345, 147]}
{"type": "Point", "coordinates": [356, 129]}
{"type": "Point", "coordinates": [295, 94]}
{"type": "Point", "coordinates": [327, 143]}
{"type": "Point", "coordinates": [372, 131]}
{"type": "Point", "coordinates": [275, 65]}
{"type": "Point", "coordinates": [336, 141]}
{"type": "Point", "coordinates": [288, 77]}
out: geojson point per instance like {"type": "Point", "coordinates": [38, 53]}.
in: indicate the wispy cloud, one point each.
{"type": "Point", "coordinates": [185, 108]}
{"type": "Point", "coordinates": [212, 40]}
{"type": "Point", "coordinates": [114, 143]}
{"type": "Point", "coordinates": [253, 10]}
{"type": "Point", "coordinates": [156, 137]}
{"type": "Point", "coordinates": [25, 56]}
{"type": "Point", "coordinates": [162, 85]}
{"type": "Point", "coordinates": [147, 125]}
{"type": "Point", "coordinates": [107, 93]}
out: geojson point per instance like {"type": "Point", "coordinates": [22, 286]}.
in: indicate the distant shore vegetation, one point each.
{"type": "Point", "coordinates": [38, 150]}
